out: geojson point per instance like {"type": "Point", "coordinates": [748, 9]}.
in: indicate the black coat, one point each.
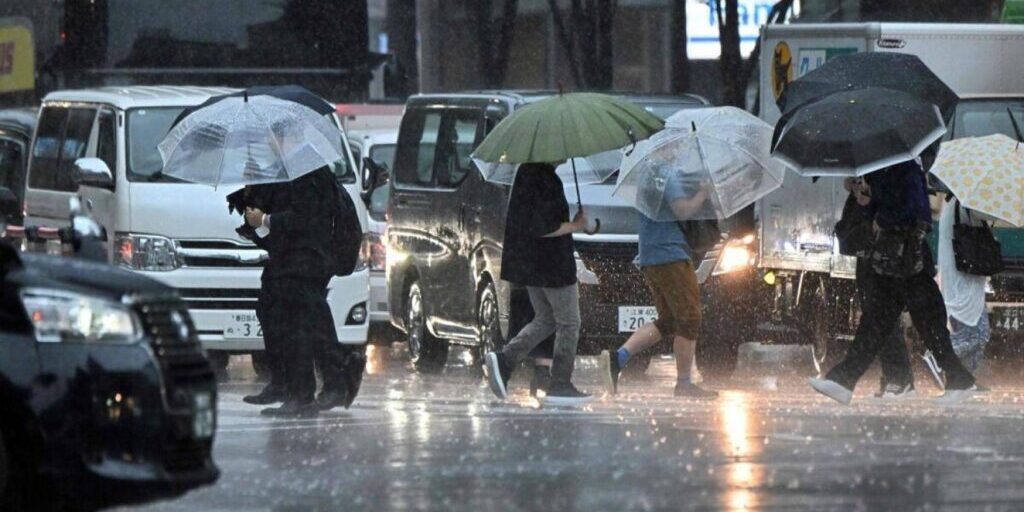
{"type": "Point", "coordinates": [301, 214]}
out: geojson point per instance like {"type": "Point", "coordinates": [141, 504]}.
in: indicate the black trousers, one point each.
{"type": "Point", "coordinates": [893, 355]}
{"type": "Point", "coordinates": [298, 332]}
{"type": "Point", "coordinates": [885, 300]}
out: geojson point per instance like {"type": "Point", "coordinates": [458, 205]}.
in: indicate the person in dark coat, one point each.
{"type": "Point", "coordinates": [538, 253]}
{"type": "Point", "coordinates": [899, 201]}
{"type": "Point", "coordinates": [292, 222]}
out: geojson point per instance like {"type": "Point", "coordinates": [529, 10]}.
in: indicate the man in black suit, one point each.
{"type": "Point", "coordinates": [293, 223]}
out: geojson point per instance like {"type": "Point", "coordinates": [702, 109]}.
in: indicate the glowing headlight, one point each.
{"type": "Point", "coordinates": [61, 316]}
{"type": "Point", "coordinates": [736, 255]}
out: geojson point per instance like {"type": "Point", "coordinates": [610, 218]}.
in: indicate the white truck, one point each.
{"type": "Point", "coordinates": [788, 283]}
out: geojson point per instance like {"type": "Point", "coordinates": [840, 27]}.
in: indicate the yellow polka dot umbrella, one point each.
{"type": "Point", "coordinates": [986, 174]}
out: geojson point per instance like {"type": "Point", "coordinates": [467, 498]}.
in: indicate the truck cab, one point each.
{"type": "Point", "coordinates": [787, 282]}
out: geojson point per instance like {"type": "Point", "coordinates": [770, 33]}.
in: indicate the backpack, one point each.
{"type": "Point", "coordinates": [702, 235]}
{"type": "Point", "coordinates": [346, 234]}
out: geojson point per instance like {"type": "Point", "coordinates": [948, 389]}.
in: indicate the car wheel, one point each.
{"type": "Point", "coordinates": [427, 353]}
{"type": "Point", "coordinates": [260, 364]}
{"type": "Point", "coordinates": [825, 348]}
{"type": "Point", "coordinates": [488, 322]}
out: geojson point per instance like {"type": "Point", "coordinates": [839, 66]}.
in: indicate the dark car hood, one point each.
{"type": "Point", "coordinates": [83, 276]}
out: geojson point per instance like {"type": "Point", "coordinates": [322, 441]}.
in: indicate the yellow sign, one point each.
{"type": "Point", "coordinates": [782, 68]}
{"type": "Point", "coordinates": [17, 56]}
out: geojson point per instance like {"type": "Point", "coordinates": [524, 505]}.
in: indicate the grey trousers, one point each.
{"type": "Point", "coordinates": [555, 310]}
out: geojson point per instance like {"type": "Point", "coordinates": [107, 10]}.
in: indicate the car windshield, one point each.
{"type": "Point", "coordinates": [146, 127]}
{"type": "Point", "coordinates": [383, 154]}
{"type": "Point", "coordinates": [978, 118]}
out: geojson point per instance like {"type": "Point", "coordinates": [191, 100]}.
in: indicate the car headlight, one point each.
{"type": "Point", "coordinates": [146, 252]}
{"type": "Point", "coordinates": [736, 255]}
{"type": "Point", "coordinates": [62, 316]}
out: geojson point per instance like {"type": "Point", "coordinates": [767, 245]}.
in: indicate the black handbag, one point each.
{"type": "Point", "coordinates": [899, 252]}
{"type": "Point", "coordinates": [975, 250]}
{"type": "Point", "coordinates": [853, 231]}
{"type": "Point", "coordinates": [702, 235]}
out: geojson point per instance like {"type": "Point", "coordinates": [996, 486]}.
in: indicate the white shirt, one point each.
{"type": "Point", "coordinates": [964, 294]}
{"type": "Point", "coordinates": [264, 230]}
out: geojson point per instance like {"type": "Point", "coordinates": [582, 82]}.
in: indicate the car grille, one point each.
{"type": "Point", "coordinates": [219, 298]}
{"type": "Point", "coordinates": [221, 254]}
{"type": "Point", "coordinates": [620, 282]}
{"type": "Point", "coordinates": [185, 369]}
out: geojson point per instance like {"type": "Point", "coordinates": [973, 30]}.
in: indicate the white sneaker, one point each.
{"type": "Point", "coordinates": [832, 389]}
{"type": "Point", "coordinates": [955, 396]}
{"type": "Point", "coordinates": [896, 391]}
{"type": "Point", "coordinates": [934, 370]}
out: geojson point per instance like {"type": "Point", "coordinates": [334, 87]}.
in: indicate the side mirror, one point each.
{"type": "Point", "coordinates": [375, 175]}
{"type": "Point", "coordinates": [9, 206]}
{"type": "Point", "coordinates": [93, 172]}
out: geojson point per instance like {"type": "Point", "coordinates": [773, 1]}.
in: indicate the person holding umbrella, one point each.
{"type": "Point", "coordinates": [707, 164]}
{"type": "Point", "coordinates": [279, 145]}
{"type": "Point", "coordinates": [538, 246]}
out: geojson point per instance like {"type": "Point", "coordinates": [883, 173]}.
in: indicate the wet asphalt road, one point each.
{"type": "Point", "coordinates": [443, 442]}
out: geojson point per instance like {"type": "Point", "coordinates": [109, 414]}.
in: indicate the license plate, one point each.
{"type": "Point", "coordinates": [632, 318]}
{"type": "Point", "coordinates": [243, 326]}
{"type": "Point", "coordinates": [1008, 319]}
{"type": "Point", "coordinates": [202, 415]}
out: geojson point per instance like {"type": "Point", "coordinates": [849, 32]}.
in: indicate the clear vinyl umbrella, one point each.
{"type": "Point", "coordinates": [249, 140]}
{"type": "Point", "coordinates": [724, 151]}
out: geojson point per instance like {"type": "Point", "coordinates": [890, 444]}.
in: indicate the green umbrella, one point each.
{"type": "Point", "coordinates": [566, 126]}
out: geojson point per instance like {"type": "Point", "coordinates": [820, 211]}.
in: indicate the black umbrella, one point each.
{"type": "Point", "coordinates": [293, 93]}
{"type": "Point", "coordinates": [852, 133]}
{"type": "Point", "coordinates": [897, 71]}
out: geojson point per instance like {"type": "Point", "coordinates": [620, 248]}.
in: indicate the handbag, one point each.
{"type": "Point", "coordinates": [975, 250]}
{"type": "Point", "coordinates": [853, 231]}
{"type": "Point", "coordinates": [899, 252]}
{"type": "Point", "coordinates": [702, 235]}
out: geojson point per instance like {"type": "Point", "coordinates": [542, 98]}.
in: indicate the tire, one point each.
{"type": "Point", "coordinates": [825, 347]}
{"type": "Point", "coordinates": [219, 359]}
{"type": "Point", "coordinates": [260, 364]}
{"type": "Point", "coordinates": [488, 322]}
{"type": "Point", "coordinates": [427, 353]}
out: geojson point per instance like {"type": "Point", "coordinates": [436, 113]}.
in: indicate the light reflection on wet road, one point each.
{"type": "Point", "coordinates": [416, 442]}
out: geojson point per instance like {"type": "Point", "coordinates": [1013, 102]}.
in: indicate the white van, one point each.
{"type": "Point", "coordinates": [100, 144]}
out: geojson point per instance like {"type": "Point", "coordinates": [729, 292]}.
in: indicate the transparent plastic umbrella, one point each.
{"type": "Point", "coordinates": [724, 151]}
{"type": "Point", "coordinates": [242, 140]}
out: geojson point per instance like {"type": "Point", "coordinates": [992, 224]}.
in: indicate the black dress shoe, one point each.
{"type": "Point", "coordinates": [330, 399]}
{"type": "Point", "coordinates": [270, 395]}
{"type": "Point", "coordinates": [293, 409]}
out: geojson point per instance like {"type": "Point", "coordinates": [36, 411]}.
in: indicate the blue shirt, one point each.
{"type": "Point", "coordinates": [899, 196]}
{"type": "Point", "coordinates": [663, 242]}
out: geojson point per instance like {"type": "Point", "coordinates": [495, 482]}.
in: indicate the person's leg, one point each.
{"type": "Point", "coordinates": [565, 307]}
{"type": "Point", "coordinates": [299, 303]}
{"type": "Point", "coordinates": [340, 365]}
{"type": "Point", "coordinates": [928, 312]}
{"type": "Point", "coordinates": [540, 327]}
{"type": "Point", "coordinates": [275, 390]}
{"type": "Point", "coordinates": [881, 310]}
{"type": "Point", "coordinates": [893, 356]}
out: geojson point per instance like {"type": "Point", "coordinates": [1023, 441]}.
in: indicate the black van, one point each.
{"type": "Point", "coordinates": [446, 227]}
{"type": "Point", "coordinates": [16, 127]}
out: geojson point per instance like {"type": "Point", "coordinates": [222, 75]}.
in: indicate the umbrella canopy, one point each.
{"type": "Point", "coordinates": [896, 71]}
{"type": "Point", "coordinates": [986, 174]}
{"type": "Point", "coordinates": [852, 133]}
{"type": "Point", "coordinates": [247, 140]}
{"type": "Point", "coordinates": [566, 126]}
{"type": "Point", "coordinates": [589, 170]}
{"type": "Point", "coordinates": [724, 150]}
{"type": "Point", "coordinates": [292, 93]}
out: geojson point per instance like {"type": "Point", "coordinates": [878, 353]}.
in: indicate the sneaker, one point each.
{"type": "Point", "coordinates": [610, 370]}
{"type": "Point", "coordinates": [833, 390]}
{"type": "Point", "coordinates": [955, 396]}
{"type": "Point", "coordinates": [498, 373]}
{"type": "Point", "coordinates": [934, 370]}
{"type": "Point", "coordinates": [895, 391]}
{"type": "Point", "coordinates": [566, 395]}
{"type": "Point", "coordinates": [691, 390]}
{"type": "Point", "coordinates": [541, 380]}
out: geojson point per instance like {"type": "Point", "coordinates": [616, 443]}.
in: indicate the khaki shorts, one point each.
{"type": "Point", "coordinates": [676, 297]}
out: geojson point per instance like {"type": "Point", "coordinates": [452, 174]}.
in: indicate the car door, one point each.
{"type": "Point", "coordinates": [414, 246]}
{"type": "Point", "coordinates": [461, 132]}
{"type": "Point", "coordinates": [62, 137]}
{"type": "Point", "coordinates": [99, 203]}
{"type": "Point", "coordinates": [12, 165]}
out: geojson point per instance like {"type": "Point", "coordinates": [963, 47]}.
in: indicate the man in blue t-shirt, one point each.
{"type": "Point", "coordinates": [666, 263]}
